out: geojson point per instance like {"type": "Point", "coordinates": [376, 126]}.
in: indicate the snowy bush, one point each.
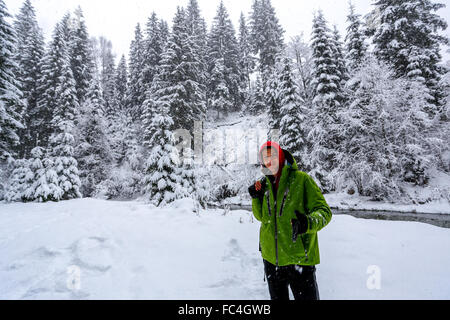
{"type": "Point", "coordinates": [44, 183]}
{"type": "Point", "coordinates": [122, 183]}
{"type": "Point", "coordinates": [18, 181]}
{"type": "Point", "coordinates": [6, 168]}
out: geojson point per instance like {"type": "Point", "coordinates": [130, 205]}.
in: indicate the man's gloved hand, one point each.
{"type": "Point", "coordinates": [299, 225]}
{"type": "Point", "coordinates": [256, 190]}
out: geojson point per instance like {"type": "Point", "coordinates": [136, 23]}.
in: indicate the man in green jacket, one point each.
{"type": "Point", "coordinates": [291, 209]}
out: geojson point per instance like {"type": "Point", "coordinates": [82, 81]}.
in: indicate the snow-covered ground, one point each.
{"type": "Point", "coordinates": [97, 249]}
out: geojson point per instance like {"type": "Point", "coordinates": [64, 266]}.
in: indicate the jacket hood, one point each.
{"type": "Point", "coordinates": [290, 160]}
{"type": "Point", "coordinates": [285, 158]}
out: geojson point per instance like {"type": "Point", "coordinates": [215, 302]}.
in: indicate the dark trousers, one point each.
{"type": "Point", "coordinates": [301, 279]}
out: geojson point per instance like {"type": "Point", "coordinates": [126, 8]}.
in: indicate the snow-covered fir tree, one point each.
{"type": "Point", "coordinates": [30, 49]}
{"type": "Point", "coordinates": [164, 33]}
{"type": "Point", "coordinates": [136, 87]}
{"type": "Point", "coordinates": [272, 99]}
{"type": "Point", "coordinates": [161, 179]}
{"type": "Point", "coordinates": [339, 56]}
{"type": "Point", "coordinates": [153, 48]}
{"type": "Point", "coordinates": [65, 109]}
{"type": "Point", "coordinates": [12, 105]}
{"type": "Point", "coordinates": [54, 58]}
{"type": "Point", "coordinates": [107, 76]}
{"type": "Point", "coordinates": [292, 128]}
{"type": "Point", "coordinates": [64, 163]}
{"type": "Point", "coordinates": [223, 64]}
{"type": "Point", "coordinates": [93, 153]}
{"type": "Point", "coordinates": [324, 130]}
{"type": "Point", "coordinates": [154, 45]}
{"type": "Point", "coordinates": [356, 47]}
{"type": "Point", "coordinates": [413, 133]}
{"type": "Point", "coordinates": [407, 36]}
{"type": "Point", "coordinates": [43, 183]}
{"type": "Point", "coordinates": [221, 99]}
{"type": "Point", "coordinates": [341, 64]}
{"type": "Point", "coordinates": [247, 61]}
{"type": "Point", "coordinates": [80, 56]}
{"type": "Point", "coordinates": [257, 103]}
{"type": "Point", "coordinates": [180, 72]}
{"type": "Point", "coordinates": [197, 30]}
{"type": "Point", "coordinates": [266, 34]}
{"type": "Point", "coordinates": [179, 86]}
{"type": "Point", "coordinates": [121, 85]}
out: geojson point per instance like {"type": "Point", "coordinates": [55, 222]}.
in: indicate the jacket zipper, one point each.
{"type": "Point", "coordinates": [275, 216]}
{"type": "Point", "coordinates": [276, 231]}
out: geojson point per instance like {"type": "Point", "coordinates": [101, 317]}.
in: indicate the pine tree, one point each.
{"type": "Point", "coordinates": [160, 179]}
{"type": "Point", "coordinates": [174, 102]}
{"type": "Point", "coordinates": [149, 111]}
{"type": "Point", "coordinates": [266, 34]}
{"type": "Point", "coordinates": [271, 96]}
{"type": "Point", "coordinates": [153, 48]}
{"type": "Point", "coordinates": [50, 83]}
{"type": "Point", "coordinates": [80, 55]}
{"type": "Point", "coordinates": [257, 102]}
{"type": "Point", "coordinates": [223, 64]}
{"type": "Point", "coordinates": [121, 85]}
{"type": "Point", "coordinates": [412, 132]}
{"type": "Point", "coordinates": [292, 130]}
{"type": "Point", "coordinates": [65, 110]}
{"type": "Point", "coordinates": [136, 88]}
{"type": "Point", "coordinates": [11, 97]}
{"type": "Point", "coordinates": [221, 99]}
{"type": "Point", "coordinates": [30, 49]}
{"type": "Point", "coordinates": [107, 76]}
{"type": "Point", "coordinates": [323, 132]}
{"type": "Point", "coordinates": [181, 74]}
{"type": "Point", "coordinates": [64, 163]}
{"type": "Point", "coordinates": [246, 61]}
{"type": "Point", "coordinates": [356, 48]}
{"type": "Point", "coordinates": [197, 30]}
{"type": "Point", "coordinates": [407, 37]}
{"type": "Point", "coordinates": [339, 56]}
{"type": "Point", "coordinates": [164, 33]}
{"type": "Point", "coordinates": [93, 153]}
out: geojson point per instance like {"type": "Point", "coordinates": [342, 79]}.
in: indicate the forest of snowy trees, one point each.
{"type": "Point", "coordinates": [365, 112]}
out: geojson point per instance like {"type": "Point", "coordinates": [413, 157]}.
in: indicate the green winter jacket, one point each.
{"type": "Point", "coordinates": [296, 191]}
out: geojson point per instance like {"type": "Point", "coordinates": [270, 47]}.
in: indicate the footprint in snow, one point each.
{"type": "Point", "coordinates": [92, 254]}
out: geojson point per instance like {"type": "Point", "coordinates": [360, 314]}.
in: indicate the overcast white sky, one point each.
{"type": "Point", "coordinates": [116, 19]}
